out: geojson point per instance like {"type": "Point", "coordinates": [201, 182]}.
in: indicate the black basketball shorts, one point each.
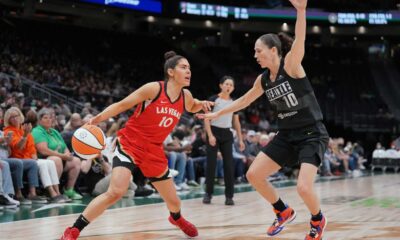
{"type": "Point", "coordinates": [295, 146]}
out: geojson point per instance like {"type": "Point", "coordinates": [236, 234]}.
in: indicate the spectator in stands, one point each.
{"type": "Point", "coordinates": [60, 122]}
{"type": "Point", "coordinates": [177, 160]}
{"type": "Point", "coordinates": [46, 104]}
{"type": "Point", "coordinates": [379, 146]}
{"type": "Point", "coordinates": [142, 188]}
{"type": "Point", "coordinates": [63, 109]}
{"type": "Point", "coordinates": [47, 168]}
{"type": "Point", "coordinates": [6, 185]}
{"type": "Point", "coordinates": [3, 94]}
{"type": "Point", "coordinates": [72, 125]}
{"type": "Point", "coordinates": [338, 150]}
{"type": "Point", "coordinates": [95, 175]}
{"type": "Point", "coordinates": [50, 145]}
{"type": "Point", "coordinates": [330, 161]}
{"type": "Point", "coordinates": [5, 166]}
{"type": "Point", "coordinates": [31, 117]}
{"type": "Point", "coordinates": [358, 148]}
{"type": "Point", "coordinates": [19, 100]}
{"type": "Point", "coordinates": [183, 136]}
{"type": "Point", "coordinates": [396, 143]}
{"type": "Point", "coordinates": [115, 126]}
{"type": "Point", "coordinates": [250, 142]}
{"type": "Point", "coordinates": [5, 200]}
{"type": "Point", "coordinates": [239, 160]}
{"type": "Point", "coordinates": [263, 124]}
{"type": "Point", "coordinates": [23, 150]}
{"type": "Point", "coordinates": [198, 156]}
{"type": "Point", "coordinates": [96, 172]}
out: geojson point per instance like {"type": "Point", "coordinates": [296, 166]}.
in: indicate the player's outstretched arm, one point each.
{"type": "Point", "coordinates": [146, 92]}
{"type": "Point", "coordinates": [255, 92]}
{"type": "Point", "coordinates": [194, 105]}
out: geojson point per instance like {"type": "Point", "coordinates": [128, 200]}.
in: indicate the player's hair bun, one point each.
{"type": "Point", "coordinates": [169, 55]}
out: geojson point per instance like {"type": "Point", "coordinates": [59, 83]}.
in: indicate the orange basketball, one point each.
{"type": "Point", "coordinates": [88, 141]}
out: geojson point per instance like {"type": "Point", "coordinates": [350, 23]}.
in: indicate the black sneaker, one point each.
{"type": "Point", "coordinates": [229, 202]}
{"type": "Point", "coordinates": [207, 198]}
{"type": "Point", "coordinates": [143, 192]}
{"type": "Point", "coordinates": [4, 202]}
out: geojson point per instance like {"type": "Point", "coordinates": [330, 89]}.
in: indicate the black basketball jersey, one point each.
{"type": "Point", "coordinates": [294, 99]}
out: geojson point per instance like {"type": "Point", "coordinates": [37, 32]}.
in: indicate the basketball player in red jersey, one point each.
{"type": "Point", "coordinates": [139, 144]}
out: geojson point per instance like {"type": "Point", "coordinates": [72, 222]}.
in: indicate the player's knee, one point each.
{"type": "Point", "coordinates": [115, 193]}
{"type": "Point", "coordinates": [303, 189]}
{"type": "Point", "coordinates": [251, 175]}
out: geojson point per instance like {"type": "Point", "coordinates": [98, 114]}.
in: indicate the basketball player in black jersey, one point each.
{"type": "Point", "coordinates": [302, 137]}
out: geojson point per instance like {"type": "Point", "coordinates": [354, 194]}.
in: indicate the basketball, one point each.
{"type": "Point", "coordinates": [88, 141]}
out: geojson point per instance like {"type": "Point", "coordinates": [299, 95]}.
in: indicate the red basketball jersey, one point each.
{"type": "Point", "coordinates": [154, 119]}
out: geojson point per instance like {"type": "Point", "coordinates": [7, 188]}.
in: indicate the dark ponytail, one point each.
{"type": "Point", "coordinates": [281, 41]}
{"type": "Point", "coordinates": [171, 60]}
{"type": "Point", "coordinates": [286, 42]}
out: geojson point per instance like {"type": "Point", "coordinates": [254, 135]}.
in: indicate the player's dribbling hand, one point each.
{"type": "Point", "coordinates": [92, 121]}
{"type": "Point", "coordinates": [207, 106]}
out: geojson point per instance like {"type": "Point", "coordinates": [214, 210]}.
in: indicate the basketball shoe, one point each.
{"type": "Point", "coordinates": [317, 229]}
{"type": "Point", "coordinates": [186, 227]}
{"type": "Point", "coordinates": [71, 233]}
{"type": "Point", "coordinates": [286, 216]}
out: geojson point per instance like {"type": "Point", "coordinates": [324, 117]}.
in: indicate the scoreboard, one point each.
{"type": "Point", "coordinates": [243, 13]}
{"type": "Point", "coordinates": [211, 10]}
{"type": "Point", "coordinates": [371, 18]}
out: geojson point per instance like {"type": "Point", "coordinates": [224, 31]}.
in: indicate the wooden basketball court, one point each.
{"type": "Point", "coordinates": [357, 208]}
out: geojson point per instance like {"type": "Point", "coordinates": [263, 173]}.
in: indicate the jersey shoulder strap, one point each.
{"type": "Point", "coordinates": [265, 79]}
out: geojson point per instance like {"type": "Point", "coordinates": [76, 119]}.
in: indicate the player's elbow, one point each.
{"type": "Point", "coordinates": [193, 109]}
{"type": "Point", "coordinates": [196, 107]}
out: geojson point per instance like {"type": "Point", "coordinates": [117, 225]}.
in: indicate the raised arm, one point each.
{"type": "Point", "coordinates": [255, 92]}
{"type": "Point", "coordinates": [295, 56]}
{"type": "Point", "coordinates": [146, 92]}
